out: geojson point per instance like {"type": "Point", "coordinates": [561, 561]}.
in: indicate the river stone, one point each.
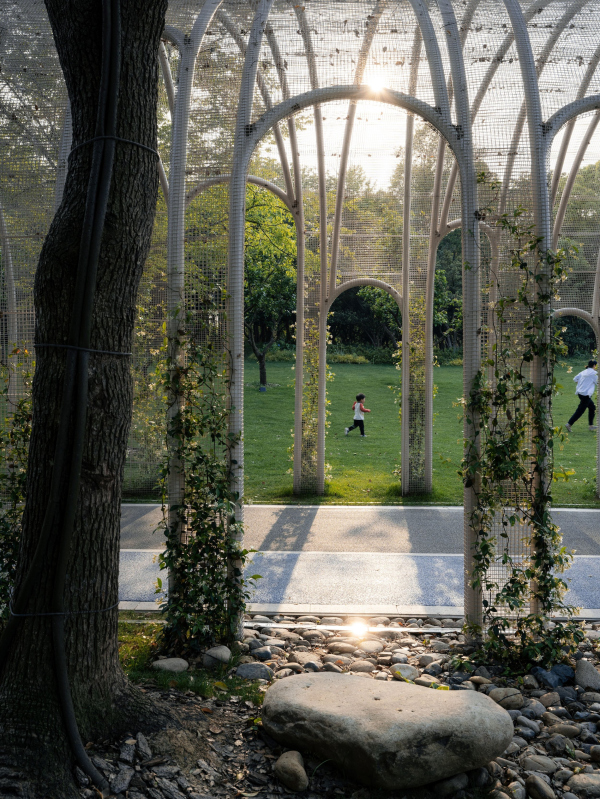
{"type": "Point", "coordinates": [538, 789]}
{"type": "Point", "coordinates": [289, 770]}
{"type": "Point", "coordinates": [568, 730]}
{"type": "Point", "coordinates": [339, 660]}
{"type": "Point", "coordinates": [216, 656]}
{"type": "Point", "coordinates": [426, 680]}
{"type": "Point", "coordinates": [371, 647]}
{"type": "Point", "coordinates": [263, 653]}
{"type": "Point", "coordinates": [587, 675]}
{"type": "Point", "coordinates": [587, 786]}
{"type": "Point", "coordinates": [303, 658]}
{"type": "Point", "coordinates": [403, 671]}
{"type": "Point", "coordinates": [313, 635]}
{"type": "Point", "coordinates": [174, 665]}
{"type": "Point", "coordinates": [508, 698]}
{"type": "Point", "coordinates": [550, 699]}
{"type": "Point", "coordinates": [362, 665]}
{"type": "Point", "coordinates": [282, 673]}
{"type": "Point", "coordinates": [341, 648]}
{"type": "Point", "coordinates": [450, 786]}
{"type": "Point", "coordinates": [387, 735]}
{"type": "Point", "coordinates": [545, 765]}
{"type": "Point", "coordinates": [254, 671]}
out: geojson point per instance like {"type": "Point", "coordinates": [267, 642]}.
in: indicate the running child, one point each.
{"type": "Point", "coordinates": [359, 415]}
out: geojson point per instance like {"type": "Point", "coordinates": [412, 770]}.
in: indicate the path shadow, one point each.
{"type": "Point", "coordinates": [291, 530]}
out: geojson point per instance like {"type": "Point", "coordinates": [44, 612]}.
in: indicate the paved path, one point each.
{"type": "Point", "coordinates": [355, 558]}
{"type": "Point", "coordinates": [359, 528]}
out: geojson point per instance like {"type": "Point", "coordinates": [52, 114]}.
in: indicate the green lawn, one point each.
{"type": "Point", "coordinates": [361, 469]}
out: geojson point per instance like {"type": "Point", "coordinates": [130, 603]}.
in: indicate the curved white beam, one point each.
{"type": "Point", "coordinates": [242, 151]}
{"type": "Point", "coordinates": [255, 132]}
{"type": "Point", "coordinates": [497, 59]}
{"type": "Point", "coordinates": [566, 194]}
{"type": "Point", "coordinates": [64, 148]}
{"type": "Point", "coordinates": [175, 36]}
{"type": "Point", "coordinates": [572, 9]}
{"type": "Point", "coordinates": [434, 57]}
{"type": "Point", "coordinates": [256, 181]}
{"type": "Point", "coordinates": [564, 145]}
{"type": "Point", "coordinates": [300, 257]}
{"type": "Point", "coordinates": [188, 47]}
{"type": "Point", "coordinates": [471, 289]}
{"type": "Point", "coordinates": [341, 184]}
{"type": "Point", "coordinates": [460, 93]}
{"type": "Point", "coordinates": [305, 32]}
{"type": "Point", "coordinates": [537, 144]}
{"type": "Point", "coordinates": [164, 181]}
{"type": "Point", "coordinates": [568, 112]}
{"type": "Point", "coordinates": [247, 138]}
{"type": "Point", "coordinates": [230, 27]}
{"type": "Point", "coordinates": [165, 69]}
{"type": "Point", "coordinates": [367, 281]}
{"type": "Point", "coordinates": [593, 323]}
{"type": "Point", "coordinates": [188, 50]}
{"type": "Point", "coordinates": [405, 422]}
{"type": "Point", "coordinates": [596, 313]}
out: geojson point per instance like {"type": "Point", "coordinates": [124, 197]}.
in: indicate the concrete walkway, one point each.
{"type": "Point", "coordinates": [357, 528]}
{"type": "Point", "coordinates": [346, 559]}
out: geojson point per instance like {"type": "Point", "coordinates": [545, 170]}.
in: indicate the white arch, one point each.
{"type": "Point", "coordinates": [367, 281]}
{"type": "Point", "coordinates": [247, 138]}
{"type": "Point", "coordinates": [581, 314]}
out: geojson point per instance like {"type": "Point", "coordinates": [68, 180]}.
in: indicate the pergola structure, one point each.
{"type": "Point", "coordinates": [334, 90]}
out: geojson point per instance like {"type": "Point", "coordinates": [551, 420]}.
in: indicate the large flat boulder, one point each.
{"type": "Point", "coordinates": [386, 734]}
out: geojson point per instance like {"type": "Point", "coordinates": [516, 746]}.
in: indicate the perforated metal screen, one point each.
{"type": "Point", "coordinates": [370, 122]}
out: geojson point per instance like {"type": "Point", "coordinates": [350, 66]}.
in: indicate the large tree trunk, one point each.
{"type": "Point", "coordinates": [32, 737]}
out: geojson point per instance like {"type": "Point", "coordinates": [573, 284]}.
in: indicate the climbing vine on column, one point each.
{"type": "Point", "coordinates": [508, 462]}
{"type": "Point", "coordinates": [207, 592]}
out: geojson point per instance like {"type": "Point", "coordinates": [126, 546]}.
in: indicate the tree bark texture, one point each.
{"type": "Point", "coordinates": [32, 740]}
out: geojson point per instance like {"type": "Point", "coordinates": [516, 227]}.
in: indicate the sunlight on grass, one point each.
{"type": "Point", "coordinates": [138, 648]}
{"type": "Point", "coordinates": [362, 469]}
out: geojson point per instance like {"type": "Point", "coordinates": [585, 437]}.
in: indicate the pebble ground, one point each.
{"type": "Point", "coordinates": [554, 754]}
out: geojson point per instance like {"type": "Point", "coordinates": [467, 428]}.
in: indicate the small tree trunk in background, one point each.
{"type": "Point", "coordinates": [32, 738]}
{"type": "Point", "coordinates": [262, 368]}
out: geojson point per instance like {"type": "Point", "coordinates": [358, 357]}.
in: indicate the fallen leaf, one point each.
{"type": "Point", "coordinates": [206, 710]}
{"type": "Point", "coordinates": [221, 686]}
{"type": "Point", "coordinates": [215, 730]}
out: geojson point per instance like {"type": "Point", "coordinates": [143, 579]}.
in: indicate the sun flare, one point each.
{"type": "Point", "coordinates": [376, 82]}
{"type": "Point", "coordinates": [359, 629]}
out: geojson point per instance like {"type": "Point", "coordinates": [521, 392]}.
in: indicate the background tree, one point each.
{"type": "Point", "coordinates": [33, 745]}
{"type": "Point", "coordinates": [270, 274]}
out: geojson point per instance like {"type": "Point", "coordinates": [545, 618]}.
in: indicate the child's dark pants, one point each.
{"type": "Point", "coordinates": [360, 424]}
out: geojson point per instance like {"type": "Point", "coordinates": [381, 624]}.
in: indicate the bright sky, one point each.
{"type": "Point", "coordinates": [375, 140]}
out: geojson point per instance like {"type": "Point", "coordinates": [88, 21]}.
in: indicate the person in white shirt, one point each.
{"type": "Point", "coordinates": [586, 383]}
{"type": "Point", "coordinates": [359, 415]}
